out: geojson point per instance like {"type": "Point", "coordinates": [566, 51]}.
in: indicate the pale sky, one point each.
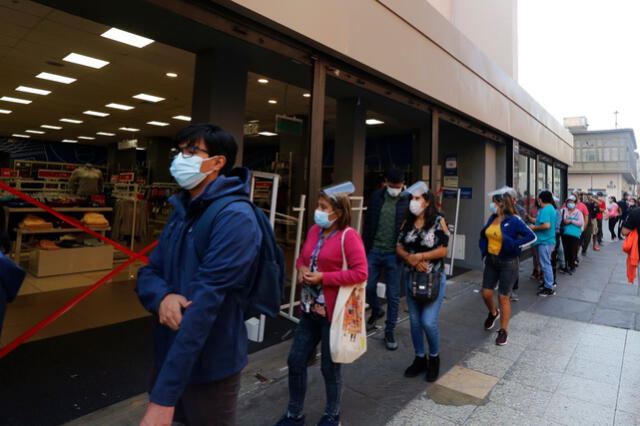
{"type": "Point", "coordinates": [582, 57]}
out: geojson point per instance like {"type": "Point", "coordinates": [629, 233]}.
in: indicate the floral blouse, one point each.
{"type": "Point", "coordinates": [415, 240]}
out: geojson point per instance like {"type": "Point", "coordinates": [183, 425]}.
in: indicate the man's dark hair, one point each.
{"type": "Point", "coordinates": [218, 142]}
{"type": "Point", "coordinates": [546, 197]}
{"type": "Point", "coordinates": [394, 175]}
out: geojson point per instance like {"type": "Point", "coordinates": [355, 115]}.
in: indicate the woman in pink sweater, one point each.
{"type": "Point", "coordinates": [320, 271]}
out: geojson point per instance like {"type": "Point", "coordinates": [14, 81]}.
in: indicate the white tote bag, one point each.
{"type": "Point", "coordinates": [348, 334]}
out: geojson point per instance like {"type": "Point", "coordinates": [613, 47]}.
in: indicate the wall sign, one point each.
{"type": "Point", "coordinates": [451, 165]}
{"type": "Point", "coordinates": [465, 193]}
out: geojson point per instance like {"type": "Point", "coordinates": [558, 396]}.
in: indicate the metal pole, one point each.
{"type": "Point", "coordinates": [294, 274]}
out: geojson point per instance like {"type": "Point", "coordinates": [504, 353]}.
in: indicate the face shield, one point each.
{"type": "Point", "coordinates": [417, 189]}
{"type": "Point", "coordinates": [342, 188]}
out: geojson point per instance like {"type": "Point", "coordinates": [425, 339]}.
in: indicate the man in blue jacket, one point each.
{"type": "Point", "coordinates": [386, 210]}
{"type": "Point", "coordinates": [200, 337]}
{"type": "Point", "coordinates": [11, 278]}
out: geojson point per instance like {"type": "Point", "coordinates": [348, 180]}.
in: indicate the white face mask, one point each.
{"type": "Point", "coordinates": [186, 170]}
{"type": "Point", "coordinates": [416, 207]}
{"type": "Point", "coordinates": [394, 192]}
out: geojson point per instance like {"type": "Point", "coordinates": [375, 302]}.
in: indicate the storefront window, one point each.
{"type": "Point", "coordinates": [549, 180]}
{"type": "Point", "coordinates": [523, 180]}
{"type": "Point", "coordinates": [558, 188]}
{"type": "Point", "coordinates": [532, 188]}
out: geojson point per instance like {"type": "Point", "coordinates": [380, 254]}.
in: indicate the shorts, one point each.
{"type": "Point", "coordinates": [594, 227]}
{"type": "Point", "coordinates": [503, 272]}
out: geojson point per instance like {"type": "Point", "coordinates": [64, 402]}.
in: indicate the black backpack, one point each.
{"type": "Point", "coordinates": [264, 294]}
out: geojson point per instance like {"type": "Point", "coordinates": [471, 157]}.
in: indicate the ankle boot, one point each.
{"type": "Point", "coordinates": [419, 366]}
{"type": "Point", "coordinates": [433, 369]}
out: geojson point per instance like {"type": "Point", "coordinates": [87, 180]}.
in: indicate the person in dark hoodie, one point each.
{"type": "Point", "coordinates": [501, 241]}
{"type": "Point", "coordinates": [200, 336]}
{"type": "Point", "coordinates": [386, 210]}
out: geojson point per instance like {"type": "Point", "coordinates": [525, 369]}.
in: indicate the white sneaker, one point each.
{"type": "Point", "coordinates": [514, 296]}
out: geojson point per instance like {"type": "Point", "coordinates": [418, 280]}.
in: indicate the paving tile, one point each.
{"type": "Point", "coordinates": [453, 413]}
{"type": "Point", "coordinates": [521, 338]}
{"type": "Point", "coordinates": [629, 399]}
{"type": "Point", "coordinates": [552, 345]}
{"type": "Point", "coordinates": [633, 342]}
{"type": "Point", "coordinates": [604, 330]}
{"type": "Point", "coordinates": [579, 293]}
{"type": "Point", "coordinates": [626, 419]}
{"type": "Point", "coordinates": [622, 288]}
{"type": "Point", "coordinates": [565, 308]}
{"type": "Point", "coordinates": [567, 328]}
{"type": "Point", "coordinates": [621, 302]}
{"type": "Point", "coordinates": [510, 351]}
{"type": "Point", "coordinates": [546, 360]}
{"type": "Point", "coordinates": [496, 414]}
{"type": "Point", "coordinates": [520, 397]}
{"type": "Point", "coordinates": [614, 318]}
{"type": "Point", "coordinates": [539, 378]}
{"type": "Point", "coordinates": [594, 370]}
{"type": "Point", "coordinates": [468, 382]}
{"type": "Point", "coordinates": [415, 417]}
{"type": "Point", "coordinates": [488, 364]}
{"type": "Point", "coordinates": [589, 391]}
{"type": "Point", "coordinates": [570, 411]}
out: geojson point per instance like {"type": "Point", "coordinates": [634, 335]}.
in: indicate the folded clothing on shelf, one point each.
{"type": "Point", "coordinates": [69, 244]}
{"type": "Point", "coordinates": [48, 245]}
{"type": "Point", "coordinates": [33, 222]}
{"type": "Point", "coordinates": [92, 242]}
{"type": "Point", "coordinates": [95, 220]}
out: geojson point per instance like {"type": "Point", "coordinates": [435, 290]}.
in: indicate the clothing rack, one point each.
{"type": "Point", "coordinates": [130, 192]}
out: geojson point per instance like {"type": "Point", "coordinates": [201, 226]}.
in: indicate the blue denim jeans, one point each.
{"type": "Point", "coordinates": [380, 261]}
{"type": "Point", "coordinates": [424, 320]}
{"type": "Point", "coordinates": [544, 254]}
{"type": "Point", "coordinates": [309, 332]}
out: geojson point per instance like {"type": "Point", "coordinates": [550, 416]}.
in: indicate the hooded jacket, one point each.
{"type": "Point", "coordinates": [211, 343]}
{"type": "Point", "coordinates": [515, 236]}
{"type": "Point", "coordinates": [372, 218]}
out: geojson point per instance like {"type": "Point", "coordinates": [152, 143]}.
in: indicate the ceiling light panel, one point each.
{"type": "Point", "coordinates": [89, 138]}
{"type": "Point", "coordinates": [96, 113]}
{"type": "Point", "coordinates": [49, 126]}
{"type": "Point", "coordinates": [149, 98]}
{"type": "Point", "coordinates": [306, 95]}
{"type": "Point", "coordinates": [33, 90]}
{"type": "Point", "coordinates": [55, 77]}
{"type": "Point", "coordinates": [5, 111]}
{"type": "Point", "coordinates": [263, 81]}
{"type": "Point", "coordinates": [105, 134]}
{"type": "Point", "coordinates": [70, 120]}
{"type": "Point", "coordinates": [374, 122]}
{"type": "Point", "coordinates": [268, 134]}
{"type": "Point", "coordinates": [171, 74]}
{"type": "Point", "coordinates": [87, 61]}
{"type": "Point", "coordinates": [35, 132]}
{"type": "Point", "coordinates": [119, 106]}
{"type": "Point", "coordinates": [181, 117]}
{"type": "Point", "coordinates": [158, 123]}
{"type": "Point", "coordinates": [18, 135]}
{"type": "Point", "coordinates": [127, 38]}
{"type": "Point", "coordinates": [15, 100]}
{"type": "Point", "coordinates": [272, 101]}
{"type": "Point", "coordinates": [129, 129]}
{"type": "Point", "coordinates": [69, 141]}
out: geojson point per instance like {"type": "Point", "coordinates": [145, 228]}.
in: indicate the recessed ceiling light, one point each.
{"type": "Point", "coordinates": [306, 95]}
{"type": "Point", "coordinates": [268, 134]}
{"type": "Point", "coordinates": [273, 101]}
{"type": "Point", "coordinates": [158, 123]}
{"type": "Point", "coordinates": [171, 74]}
{"type": "Point", "coordinates": [129, 129]}
{"type": "Point", "coordinates": [33, 90]}
{"type": "Point", "coordinates": [55, 77]}
{"type": "Point", "coordinates": [263, 81]}
{"type": "Point", "coordinates": [89, 138]}
{"type": "Point", "coordinates": [18, 135]}
{"type": "Point", "coordinates": [87, 61]}
{"type": "Point", "coordinates": [70, 120]}
{"type": "Point", "coordinates": [181, 117]}
{"type": "Point", "coordinates": [105, 134]}
{"type": "Point", "coordinates": [150, 98]}
{"type": "Point", "coordinates": [119, 106]}
{"type": "Point", "coordinates": [48, 126]}
{"type": "Point", "coordinates": [127, 38]}
{"type": "Point", "coordinates": [96, 113]}
{"type": "Point", "coordinates": [69, 141]}
{"type": "Point", "coordinates": [5, 111]}
{"type": "Point", "coordinates": [139, 148]}
{"type": "Point", "coordinates": [373, 122]}
{"type": "Point", "coordinates": [35, 132]}
{"type": "Point", "coordinates": [15, 100]}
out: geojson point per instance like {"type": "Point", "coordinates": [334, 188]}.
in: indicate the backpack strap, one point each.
{"type": "Point", "coordinates": [345, 266]}
{"type": "Point", "coordinates": [204, 224]}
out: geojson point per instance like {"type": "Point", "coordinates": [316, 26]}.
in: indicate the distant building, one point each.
{"type": "Point", "coordinates": [603, 160]}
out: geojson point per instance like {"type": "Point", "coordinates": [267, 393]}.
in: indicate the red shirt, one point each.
{"type": "Point", "coordinates": [603, 206]}
{"type": "Point", "coordinates": [583, 209]}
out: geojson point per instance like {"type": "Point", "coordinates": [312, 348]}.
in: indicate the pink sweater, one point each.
{"type": "Point", "coordinates": [330, 262]}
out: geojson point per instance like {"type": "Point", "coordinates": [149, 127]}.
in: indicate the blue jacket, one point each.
{"type": "Point", "coordinates": [515, 235]}
{"type": "Point", "coordinates": [11, 277]}
{"type": "Point", "coordinates": [211, 343]}
{"type": "Point", "coordinates": [374, 206]}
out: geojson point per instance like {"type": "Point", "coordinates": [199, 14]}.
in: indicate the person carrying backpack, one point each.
{"type": "Point", "coordinates": [200, 335]}
{"type": "Point", "coordinates": [333, 256]}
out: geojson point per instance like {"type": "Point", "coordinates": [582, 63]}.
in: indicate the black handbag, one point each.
{"type": "Point", "coordinates": [425, 286]}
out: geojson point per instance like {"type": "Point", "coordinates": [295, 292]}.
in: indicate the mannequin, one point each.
{"type": "Point", "coordinates": [86, 180]}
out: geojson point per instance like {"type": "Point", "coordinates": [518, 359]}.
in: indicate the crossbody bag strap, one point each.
{"type": "Point", "coordinates": [345, 266]}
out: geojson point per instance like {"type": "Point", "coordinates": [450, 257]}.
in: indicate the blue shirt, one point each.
{"type": "Point", "coordinates": [548, 236]}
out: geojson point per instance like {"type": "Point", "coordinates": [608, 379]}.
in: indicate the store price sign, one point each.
{"type": "Point", "coordinates": [126, 177]}
{"type": "Point", "coordinates": [5, 173]}
{"type": "Point", "coordinates": [53, 174]}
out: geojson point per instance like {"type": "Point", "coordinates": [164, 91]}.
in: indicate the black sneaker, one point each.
{"type": "Point", "coordinates": [390, 341]}
{"type": "Point", "coordinates": [501, 340]}
{"type": "Point", "coordinates": [546, 292]}
{"type": "Point", "coordinates": [375, 316]}
{"type": "Point", "coordinates": [290, 421]}
{"type": "Point", "coordinates": [419, 366]}
{"type": "Point", "coordinates": [491, 320]}
{"type": "Point", "coordinates": [328, 420]}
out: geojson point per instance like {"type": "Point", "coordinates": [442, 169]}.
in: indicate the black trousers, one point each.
{"type": "Point", "coordinates": [621, 221]}
{"type": "Point", "coordinates": [570, 245]}
{"type": "Point", "coordinates": [599, 231]}
{"type": "Point", "coordinates": [612, 226]}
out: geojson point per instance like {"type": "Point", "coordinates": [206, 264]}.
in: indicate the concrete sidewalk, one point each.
{"type": "Point", "coordinates": [561, 365]}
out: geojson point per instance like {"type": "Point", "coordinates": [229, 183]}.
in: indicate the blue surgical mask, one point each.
{"type": "Point", "coordinates": [322, 219]}
{"type": "Point", "coordinates": [571, 205]}
{"type": "Point", "coordinates": [493, 209]}
{"type": "Point", "coordinates": [186, 170]}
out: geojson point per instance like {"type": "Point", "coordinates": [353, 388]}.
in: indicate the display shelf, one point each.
{"type": "Point", "coordinates": [21, 231]}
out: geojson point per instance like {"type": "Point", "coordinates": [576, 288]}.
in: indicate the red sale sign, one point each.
{"type": "Point", "coordinates": [53, 174]}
